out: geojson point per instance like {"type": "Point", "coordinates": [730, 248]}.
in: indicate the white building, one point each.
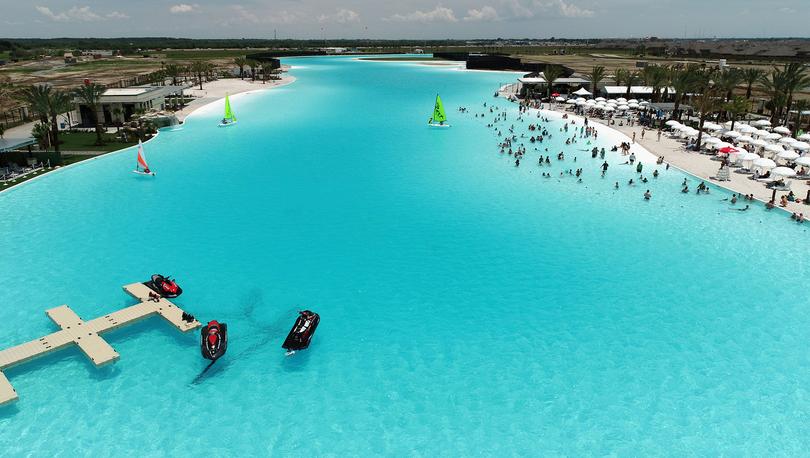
{"type": "Point", "coordinates": [118, 104]}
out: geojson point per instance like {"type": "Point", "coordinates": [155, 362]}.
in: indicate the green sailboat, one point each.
{"type": "Point", "coordinates": [229, 118]}
{"type": "Point", "coordinates": [439, 117]}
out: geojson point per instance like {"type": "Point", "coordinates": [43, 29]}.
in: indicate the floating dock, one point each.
{"type": "Point", "coordinates": [86, 334]}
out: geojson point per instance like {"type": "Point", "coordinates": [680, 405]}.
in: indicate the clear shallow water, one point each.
{"type": "Point", "coordinates": [468, 307]}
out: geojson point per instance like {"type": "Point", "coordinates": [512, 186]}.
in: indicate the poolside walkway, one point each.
{"type": "Point", "coordinates": [85, 334]}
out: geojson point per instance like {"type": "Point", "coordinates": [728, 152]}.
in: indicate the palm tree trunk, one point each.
{"type": "Point", "coordinates": [700, 131]}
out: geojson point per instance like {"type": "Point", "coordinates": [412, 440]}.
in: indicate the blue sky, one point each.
{"type": "Point", "coordinates": [405, 18]}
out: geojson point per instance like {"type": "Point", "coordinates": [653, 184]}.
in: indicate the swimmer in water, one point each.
{"type": "Point", "coordinates": [616, 186]}
{"type": "Point", "coordinates": [647, 195]}
{"type": "Point", "coordinates": [685, 189]}
{"type": "Point", "coordinates": [740, 209]}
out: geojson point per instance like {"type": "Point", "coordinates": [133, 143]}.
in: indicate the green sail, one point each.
{"type": "Point", "coordinates": [438, 111]}
{"type": "Point", "coordinates": [228, 113]}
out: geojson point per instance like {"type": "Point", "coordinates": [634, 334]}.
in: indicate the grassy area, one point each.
{"type": "Point", "coordinates": [85, 141]}
{"type": "Point", "coordinates": [74, 158]}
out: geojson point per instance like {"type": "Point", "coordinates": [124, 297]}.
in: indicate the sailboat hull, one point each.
{"type": "Point", "coordinates": [228, 124]}
{"type": "Point", "coordinates": [438, 125]}
{"type": "Point", "coordinates": [138, 172]}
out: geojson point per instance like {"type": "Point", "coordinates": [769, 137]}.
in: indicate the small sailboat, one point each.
{"type": "Point", "coordinates": [229, 119]}
{"type": "Point", "coordinates": [439, 117]}
{"type": "Point", "coordinates": [141, 167]}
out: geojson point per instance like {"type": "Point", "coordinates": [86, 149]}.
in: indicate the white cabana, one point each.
{"type": "Point", "coordinates": [783, 172]}
{"type": "Point", "coordinates": [788, 155]}
{"type": "Point", "coordinates": [801, 146]}
{"type": "Point", "coordinates": [805, 161]}
{"type": "Point", "coordinates": [764, 163]}
{"type": "Point", "coordinates": [781, 130]}
{"type": "Point", "coordinates": [582, 91]}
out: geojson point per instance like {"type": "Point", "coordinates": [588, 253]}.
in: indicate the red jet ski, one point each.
{"type": "Point", "coordinates": [214, 340]}
{"type": "Point", "coordinates": [164, 286]}
{"type": "Point", "coordinates": [302, 331]}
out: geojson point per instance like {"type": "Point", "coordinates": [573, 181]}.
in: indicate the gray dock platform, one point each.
{"type": "Point", "coordinates": [86, 334]}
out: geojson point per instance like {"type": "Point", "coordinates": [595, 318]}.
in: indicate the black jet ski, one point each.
{"type": "Point", "coordinates": [302, 331]}
{"type": "Point", "coordinates": [164, 286]}
{"type": "Point", "coordinates": [214, 340]}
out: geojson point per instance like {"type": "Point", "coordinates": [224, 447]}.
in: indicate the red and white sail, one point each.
{"type": "Point", "coordinates": [141, 158]}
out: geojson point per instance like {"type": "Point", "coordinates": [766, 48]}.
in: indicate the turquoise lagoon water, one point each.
{"type": "Point", "coordinates": [468, 307]}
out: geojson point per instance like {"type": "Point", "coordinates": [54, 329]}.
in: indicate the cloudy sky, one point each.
{"type": "Point", "coordinates": [405, 18]}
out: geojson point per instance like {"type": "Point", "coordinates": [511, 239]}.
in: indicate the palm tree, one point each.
{"type": "Point", "coordinates": [41, 132]}
{"type": "Point", "coordinates": [38, 99]}
{"type": "Point", "coordinates": [620, 76]}
{"type": "Point", "coordinates": [707, 102]}
{"type": "Point", "coordinates": [655, 77]}
{"type": "Point", "coordinates": [90, 95]}
{"type": "Point", "coordinates": [59, 102]}
{"type": "Point", "coordinates": [774, 85]}
{"type": "Point", "coordinates": [240, 62]}
{"type": "Point", "coordinates": [751, 76]}
{"type": "Point", "coordinates": [736, 107]}
{"type": "Point", "coordinates": [267, 68]}
{"type": "Point", "coordinates": [174, 71]}
{"type": "Point", "coordinates": [801, 107]}
{"type": "Point", "coordinates": [551, 74]}
{"type": "Point", "coordinates": [683, 81]}
{"type": "Point", "coordinates": [254, 65]}
{"type": "Point", "coordinates": [199, 68]}
{"type": "Point", "coordinates": [795, 80]}
{"type": "Point", "coordinates": [2, 130]}
{"type": "Point", "coordinates": [596, 76]}
{"type": "Point", "coordinates": [728, 80]}
{"type": "Point", "coordinates": [632, 78]}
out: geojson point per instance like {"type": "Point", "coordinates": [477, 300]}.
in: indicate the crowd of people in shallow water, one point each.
{"type": "Point", "coordinates": [531, 131]}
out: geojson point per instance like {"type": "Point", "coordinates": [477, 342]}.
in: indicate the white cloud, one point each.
{"type": "Point", "coordinates": [486, 13]}
{"type": "Point", "coordinates": [522, 9]}
{"type": "Point", "coordinates": [78, 14]}
{"type": "Point", "coordinates": [438, 14]}
{"type": "Point", "coordinates": [279, 17]}
{"type": "Point", "coordinates": [342, 16]}
{"type": "Point", "coordinates": [183, 8]}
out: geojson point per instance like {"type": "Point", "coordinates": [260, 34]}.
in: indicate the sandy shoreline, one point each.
{"type": "Point", "coordinates": [216, 90]}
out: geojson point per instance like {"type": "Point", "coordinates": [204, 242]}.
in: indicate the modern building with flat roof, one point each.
{"type": "Point", "coordinates": [119, 104]}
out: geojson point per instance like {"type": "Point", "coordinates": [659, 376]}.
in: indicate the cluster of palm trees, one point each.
{"type": "Point", "coordinates": [47, 103]}
{"type": "Point", "coordinates": [255, 66]}
{"type": "Point", "coordinates": [780, 85]}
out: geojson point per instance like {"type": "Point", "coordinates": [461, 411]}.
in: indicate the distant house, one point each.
{"type": "Point", "coordinates": [119, 104]}
{"type": "Point", "coordinates": [418, 51]}
{"type": "Point", "coordinates": [70, 59]}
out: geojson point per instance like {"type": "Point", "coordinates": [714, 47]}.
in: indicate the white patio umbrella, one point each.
{"type": "Point", "coordinates": [608, 108]}
{"type": "Point", "coordinates": [774, 148]}
{"type": "Point", "coordinates": [731, 134]}
{"type": "Point", "coordinates": [758, 142]}
{"type": "Point", "coordinates": [761, 122]}
{"type": "Point", "coordinates": [622, 107]}
{"type": "Point", "coordinates": [764, 163]}
{"type": "Point", "coordinates": [712, 140]}
{"type": "Point", "coordinates": [805, 137]}
{"type": "Point", "coordinates": [745, 128]}
{"type": "Point", "coordinates": [723, 145]}
{"type": "Point", "coordinates": [745, 138]}
{"type": "Point", "coordinates": [727, 124]}
{"type": "Point", "coordinates": [644, 102]}
{"type": "Point", "coordinates": [788, 155]}
{"type": "Point", "coordinates": [750, 157]}
{"type": "Point", "coordinates": [621, 99]}
{"type": "Point", "coordinates": [761, 133]}
{"type": "Point", "coordinates": [711, 126]}
{"type": "Point", "coordinates": [783, 172]}
{"type": "Point", "coordinates": [772, 136]}
{"type": "Point", "coordinates": [672, 122]}
{"type": "Point", "coordinates": [801, 146]}
{"type": "Point", "coordinates": [632, 101]}
{"type": "Point", "coordinates": [781, 130]}
{"type": "Point", "coordinates": [581, 102]}
{"type": "Point", "coordinates": [580, 99]}
{"type": "Point", "coordinates": [600, 99]}
{"type": "Point", "coordinates": [633, 105]}
{"type": "Point", "coordinates": [569, 101]}
{"type": "Point", "coordinates": [787, 140]}
{"type": "Point", "coordinates": [805, 161]}
{"type": "Point", "coordinates": [591, 102]}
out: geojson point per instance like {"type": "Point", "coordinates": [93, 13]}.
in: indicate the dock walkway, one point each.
{"type": "Point", "coordinates": [86, 334]}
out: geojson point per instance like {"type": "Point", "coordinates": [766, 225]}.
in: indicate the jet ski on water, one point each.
{"type": "Point", "coordinates": [214, 340]}
{"type": "Point", "coordinates": [302, 331]}
{"type": "Point", "coordinates": [164, 286]}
